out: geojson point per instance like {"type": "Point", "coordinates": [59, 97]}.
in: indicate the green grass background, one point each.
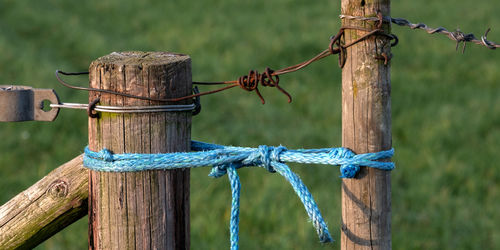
{"type": "Point", "coordinates": [445, 109]}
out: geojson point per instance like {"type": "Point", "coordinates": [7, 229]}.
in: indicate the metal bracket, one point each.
{"type": "Point", "coordinates": [24, 103]}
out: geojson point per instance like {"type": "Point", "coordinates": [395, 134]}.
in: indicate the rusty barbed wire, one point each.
{"type": "Point", "coordinates": [270, 78]}
{"type": "Point", "coordinates": [457, 35]}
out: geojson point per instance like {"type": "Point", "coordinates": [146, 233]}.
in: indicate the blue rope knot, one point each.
{"type": "Point", "coordinates": [105, 155]}
{"type": "Point", "coordinates": [347, 170]}
{"type": "Point", "coordinates": [268, 155]}
{"type": "Point", "coordinates": [263, 156]}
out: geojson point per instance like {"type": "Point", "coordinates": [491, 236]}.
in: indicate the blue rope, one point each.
{"type": "Point", "coordinates": [234, 180]}
{"type": "Point", "coordinates": [227, 159]}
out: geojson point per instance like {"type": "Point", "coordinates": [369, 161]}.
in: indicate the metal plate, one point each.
{"type": "Point", "coordinates": [24, 103]}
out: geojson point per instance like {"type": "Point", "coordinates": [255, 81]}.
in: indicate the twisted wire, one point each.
{"type": "Point", "coordinates": [251, 82]}
{"type": "Point", "coordinates": [227, 159]}
{"type": "Point", "coordinates": [457, 36]}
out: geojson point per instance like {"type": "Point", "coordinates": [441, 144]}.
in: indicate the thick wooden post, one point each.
{"type": "Point", "coordinates": [150, 209]}
{"type": "Point", "coordinates": [366, 127]}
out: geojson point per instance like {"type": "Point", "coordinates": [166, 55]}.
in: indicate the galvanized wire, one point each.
{"type": "Point", "coordinates": [128, 109]}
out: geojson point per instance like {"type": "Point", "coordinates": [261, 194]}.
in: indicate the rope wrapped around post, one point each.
{"type": "Point", "coordinates": [227, 159]}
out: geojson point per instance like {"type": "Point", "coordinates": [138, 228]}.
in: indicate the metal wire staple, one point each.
{"type": "Point", "coordinates": [457, 36]}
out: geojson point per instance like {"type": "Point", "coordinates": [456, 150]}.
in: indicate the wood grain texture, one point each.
{"type": "Point", "coordinates": [47, 207]}
{"type": "Point", "coordinates": [150, 209]}
{"type": "Point", "coordinates": [366, 127]}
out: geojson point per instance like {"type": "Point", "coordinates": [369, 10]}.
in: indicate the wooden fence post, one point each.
{"type": "Point", "coordinates": [150, 209]}
{"type": "Point", "coordinates": [366, 127]}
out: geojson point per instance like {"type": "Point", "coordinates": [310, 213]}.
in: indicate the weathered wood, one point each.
{"type": "Point", "coordinates": [150, 209]}
{"type": "Point", "coordinates": [366, 127]}
{"type": "Point", "coordinates": [47, 207]}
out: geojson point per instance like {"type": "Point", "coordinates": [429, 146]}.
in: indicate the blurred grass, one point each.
{"type": "Point", "coordinates": [446, 111]}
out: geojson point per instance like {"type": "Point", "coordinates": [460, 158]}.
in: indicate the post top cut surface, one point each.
{"type": "Point", "coordinates": [142, 58]}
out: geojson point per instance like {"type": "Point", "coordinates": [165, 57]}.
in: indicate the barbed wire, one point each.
{"type": "Point", "coordinates": [270, 78]}
{"type": "Point", "coordinates": [457, 35]}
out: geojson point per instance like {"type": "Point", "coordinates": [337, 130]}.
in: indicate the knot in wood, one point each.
{"type": "Point", "coordinates": [58, 189]}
